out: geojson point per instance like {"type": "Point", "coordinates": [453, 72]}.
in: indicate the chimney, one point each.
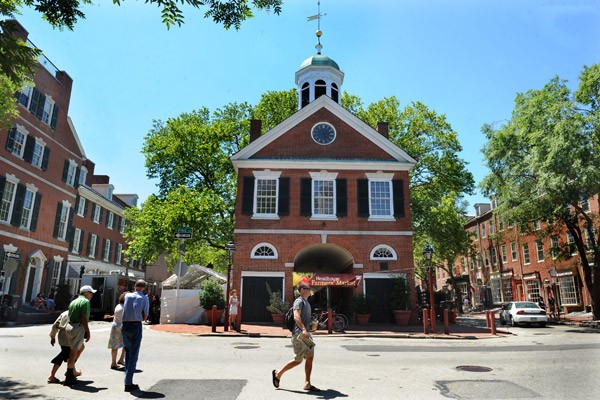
{"type": "Point", "coordinates": [255, 128]}
{"type": "Point", "coordinates": [382, 128]}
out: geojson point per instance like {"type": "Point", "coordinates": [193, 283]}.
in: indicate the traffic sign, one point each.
{"type": "Point", "coordinates": [184, 232]}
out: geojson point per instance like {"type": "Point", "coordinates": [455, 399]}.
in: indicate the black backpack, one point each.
{"type": "Point", "coordinates": [289, 320]}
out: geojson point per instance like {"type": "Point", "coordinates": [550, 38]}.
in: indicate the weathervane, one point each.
{"type": "Point", "coordinates": [318, 18]}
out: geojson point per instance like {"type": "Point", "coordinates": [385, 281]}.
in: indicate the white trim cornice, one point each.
{"type": "Point", "coordinates": [319, 164]}
{"type": "Point", "coordinates": [319, 232]}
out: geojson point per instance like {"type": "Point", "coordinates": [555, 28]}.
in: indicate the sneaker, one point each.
{"type": "Point", "coordinates": [131, 388]}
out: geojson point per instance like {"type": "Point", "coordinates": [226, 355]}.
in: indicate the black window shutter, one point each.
{"type": "Point", "coordinates": [104, 254]}
{"type": "Point", "coordinates": [40, 108]}
{"type": "Point", "coordinates": [110, 246]}
{"type": "Point", "coordinates": [85, 207]}
{"type": "Point", "coordinates": [36, 212]}
{"type": "Point", "coordinates": [2, 182]}
{"type": "Point", "coordinates": [89, 244]}
{"type": "Point", "coordinates": [45, 158]}
{"type": "Point", "coordinates": [49, 274]}
{"type": "Point", "coordinates": [284, 196]}
{"type": "Point", "coordinates": [77, 172]}
{"type": "Point", "coordinates": [100, 215]}
{"type": "Point", "coordinates": [70, 228]}
{"type": "Point", "coordinates": [54, 117]}
{"type": "Point", "coordinates": [305, 197]}
{"type": "Point", "coordinates": [96, 254]}
{"type": "Point", "coordinates": [10, 142]}
{"type": "Point", "coordinates": [77, 200]}
{"type": "Point", "coordinates": [28, 151]}
{"type": "Point", "coordinates": [398, 190]}
{"type": "Point", "coordinates": [341, 201]}
{"type": "Point", "coordinates": [35, 96]}
{"type": "Point", "coordinates": [18, 206]}
{"type": "Point", "coordinates": [363, 197]}
{"type": "Point", "coordinates": [57, 219]}
{"type": "Point", "coordinates": [248, 195]}
{"type": "Point", "coordinates": [81, 236]}
{"type": "Point", "coordinates": [65, 170]}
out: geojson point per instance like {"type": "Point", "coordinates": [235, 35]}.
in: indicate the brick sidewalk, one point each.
{"type": "Point", "coordinates": [456, 331]}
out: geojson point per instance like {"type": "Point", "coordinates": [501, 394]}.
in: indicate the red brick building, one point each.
{"type": "Point", "coordinates": [509, 264]}
{"type": "Point", "coordinates": [321, 193]}
{"type": "Point", "coordinates": [55, 214]}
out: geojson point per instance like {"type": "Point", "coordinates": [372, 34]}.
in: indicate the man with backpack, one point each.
{"type": "Point", "coordinates": [304, 347]}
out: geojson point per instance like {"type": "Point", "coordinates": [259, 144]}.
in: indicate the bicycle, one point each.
{"type": "Point", "coordinates": [339, 321]}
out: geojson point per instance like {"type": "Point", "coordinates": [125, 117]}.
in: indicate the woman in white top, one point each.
{"type": "Point", "coordinates": [115, 342]}
{"type": "Point", "coordinates": [233, 308]}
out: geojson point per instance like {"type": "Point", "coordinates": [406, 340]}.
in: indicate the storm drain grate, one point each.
{"type": "Point", "coordinates": [473, 368]}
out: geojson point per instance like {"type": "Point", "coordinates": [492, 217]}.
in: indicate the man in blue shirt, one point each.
{"type": "Point", "coordinates": [135, 310]}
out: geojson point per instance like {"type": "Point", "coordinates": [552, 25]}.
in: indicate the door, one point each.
{"type": "Point", "coordinates": [380, 289]}
{"type": "Point", "coordinates": [255, 297]}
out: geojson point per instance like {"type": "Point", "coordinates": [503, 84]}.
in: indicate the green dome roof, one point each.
{"type": "Point", "coordinates": [319, 60]}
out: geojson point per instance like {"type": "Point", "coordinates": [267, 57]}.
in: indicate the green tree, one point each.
{"type": "Point", "coordinates": [439, 179]}
{"type": "Point", "coordinates": [545, 161]}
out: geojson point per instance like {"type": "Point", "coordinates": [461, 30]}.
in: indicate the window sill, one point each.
{"type": "Point", "coordinates": [324, 218]}
{"type": "Point", "coordinates": [382, 219]}
{"type": "Point", "coordinates": [268, 217]}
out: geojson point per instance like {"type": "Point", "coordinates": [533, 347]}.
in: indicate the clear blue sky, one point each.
{"type": "Point", "coordinates": [466, 59]}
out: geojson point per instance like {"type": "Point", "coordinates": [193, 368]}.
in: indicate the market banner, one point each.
{"type": "Point", "coordinates": [344, 280]}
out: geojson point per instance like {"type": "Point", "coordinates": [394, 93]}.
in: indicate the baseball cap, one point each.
{"type": "Point", "coordinates": [86, 288]}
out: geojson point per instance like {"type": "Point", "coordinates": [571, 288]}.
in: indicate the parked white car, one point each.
{"type": "Point", "coordinates": [522, 312]}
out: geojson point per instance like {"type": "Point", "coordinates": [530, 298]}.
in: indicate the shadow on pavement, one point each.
{"type": "Point", "coordinates": [85, 386]}
{"type": "Point", "coordinates": [11, 389]}
{"type": "Point", "coordinates": [322, 394]}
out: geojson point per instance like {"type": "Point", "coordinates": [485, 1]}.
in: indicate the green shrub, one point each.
{"type": "Point", "coordinates": [211, 294]}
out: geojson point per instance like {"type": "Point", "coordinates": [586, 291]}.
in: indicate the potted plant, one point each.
{"type": "Point", "coordinates": [277, 306]}
{"type": "Point", "coordinates": [400, 301]}
{"type": "Point", "coordinates": [363, 307]}
{"type": "Point", "coordinates": [211, 294]}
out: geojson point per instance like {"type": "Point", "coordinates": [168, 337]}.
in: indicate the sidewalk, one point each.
{"type": "Point", "coordinates": [471, 328]}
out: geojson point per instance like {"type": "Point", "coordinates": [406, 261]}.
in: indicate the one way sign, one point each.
{"type": "Point", "coordinates": [183, 233]}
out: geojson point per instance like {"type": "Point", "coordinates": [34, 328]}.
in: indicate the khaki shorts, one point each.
{"type": "Point", "coordinates": [301, 349]}
{"type": "Point", "coordinates": [75, 335]}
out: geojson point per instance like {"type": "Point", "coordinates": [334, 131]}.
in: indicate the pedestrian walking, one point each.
{"type": "Point", "coordinates": [115, 341]}
{"type": "Point", "coordinates": [135, 310]}
{"type": "Point", "coordinates": [552, 306]}
{"type": "Point", "coordinates": [77, 330]}
{"type": "Point", "coordinates": [233, 308]}
{"type": "Point", "coordinates": [304, 347]}
{"type": "Point", "coordinates": [59, 329]}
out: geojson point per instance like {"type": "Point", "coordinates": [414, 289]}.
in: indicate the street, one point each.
{"type": "Point", "coordinates": [556, 362]}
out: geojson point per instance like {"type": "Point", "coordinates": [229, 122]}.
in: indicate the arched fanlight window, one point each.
{"type": "Point", "coordinates": [320, 88]}
{"type": "Point", "coordinates": [383, 252]}
{"type": "Point", "coordinates": [264, 250]}
{"type": "Point", "coordinates": [334, 93]}
{"type": "Point", "coordinates": [305, 94]}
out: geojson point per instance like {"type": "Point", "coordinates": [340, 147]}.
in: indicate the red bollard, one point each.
{"type": "Point", "coordinates": [446, 326]}
{"type": "Point", "coordinates": [425, 321]}
{"type": "Point", "coordinates": [493, 322]}
{"type": "Point", "coordinates": [432, 319]}
{"type": "Point", "coordinates": [487, 319]}
{"type": "Point", "coordinates": [329, 321]}
{"type": "Point", "coordinates": [214, 319]}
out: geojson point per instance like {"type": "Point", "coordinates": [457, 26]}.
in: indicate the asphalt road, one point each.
{"type": "Point", "coordinates": [557, 362]}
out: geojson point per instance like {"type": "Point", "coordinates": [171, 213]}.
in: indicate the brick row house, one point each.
{"type": "Point", "coordinates": [321, 193]}
{"type": "Point", "coordinates": [56, 216]}
{"type": "Point", "coordinates": [510, 264]}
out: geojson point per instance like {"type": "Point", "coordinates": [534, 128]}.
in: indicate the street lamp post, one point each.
{"type": "Point", "coordinates": [230, 249]}
{"type": "Point", "coordinates": [428, 254]}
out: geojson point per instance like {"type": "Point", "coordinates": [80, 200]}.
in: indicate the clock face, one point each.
{"type": "Point", "coordinates": [323, 133]}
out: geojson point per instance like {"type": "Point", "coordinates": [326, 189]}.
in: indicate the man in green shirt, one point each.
{"type": "Point", "coordinates": [77, 330]}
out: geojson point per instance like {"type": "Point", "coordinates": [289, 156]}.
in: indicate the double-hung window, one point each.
{"type": "Point", "coordinates": [122, 225]}
{"type": "Point", "coordinates": [25, 96]}
{"type": "Point", "coordinates": [106, 253]}
{"type": "Point", "coordinates": [38, 152]}
{"type": "Point", "coordinates": [76, 240]}
{"type": "Point", "coordinates": [504, 256]}
{"type": "Point", "coordinates": [71, 172]}
{"type": "Point", "coordinates": [28, 202]}
{"type": "Point", "coordinates": [540, 250]}
{"type": "Point", "coordinates": [266, 186]}
{"type": "Point", "coordinates": [110, 220]}
{"type": "Point", "coordinates": [17, 139]}
{"type": "Point", "coordinates": [381, 198]}
{"type": "Point", "coordinates": [47, 110]}
{"type": "Point", "coordinates": [323, 198]}
{"type": "Point", "coordinates": [82, 176]}
{"type": "Point", "coordinates": [526, 259]}
{"type": "Point", "coordinates": [81, 207]}
{"type": "Point", "coordinates": [92, 246]}
{"type": "Point", "coordinates": [62, 221]}
{"type": "Point", "coordinates": [8, 198]}
{"type": "Point", "coordinates": [119, 253]}
{"type": "Point", "coordinates": [513, 251]}
{"type": "Point", "coordinates": [96, 213]}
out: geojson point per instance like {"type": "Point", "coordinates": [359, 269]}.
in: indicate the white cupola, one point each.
{"type": "Point", "coordinates": [318, 75]}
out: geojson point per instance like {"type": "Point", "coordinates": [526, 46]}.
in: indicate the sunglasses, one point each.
{"type": "Point", "coordinates": [303, 287]}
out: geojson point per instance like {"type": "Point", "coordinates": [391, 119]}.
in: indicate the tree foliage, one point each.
{"type": "Point", "coordinates": [189, 155]}
{"type": "Point", "coordinates": [545, 160]}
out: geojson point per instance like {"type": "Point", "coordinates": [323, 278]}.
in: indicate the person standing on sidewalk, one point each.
{"type": "Point", "coordinates": [304, 347]}
{"type": "Point", "coordinates": [135, 310]}
{"type": "Point", "coordinates": [77, 330]}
